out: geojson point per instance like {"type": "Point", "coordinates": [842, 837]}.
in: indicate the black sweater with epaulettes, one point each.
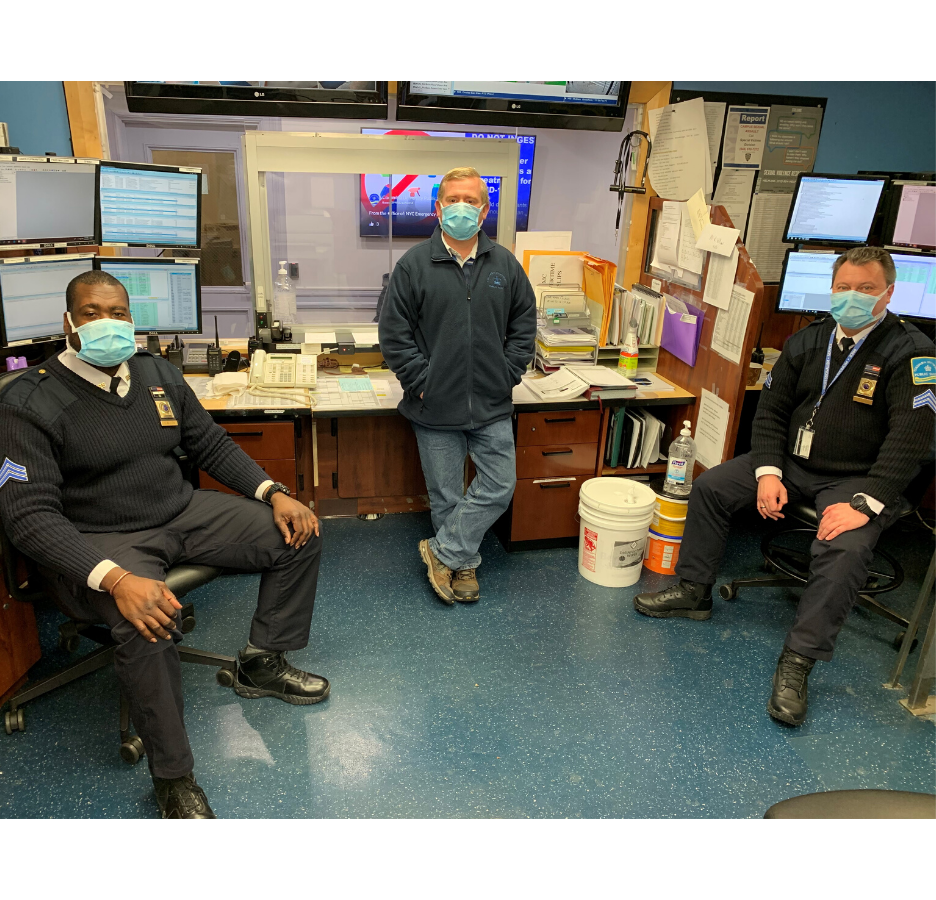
{"type": "Point", "coordinates": [882, 441]}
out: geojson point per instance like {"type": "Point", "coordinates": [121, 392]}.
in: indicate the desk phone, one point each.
{"type": "Point", "coordinates": [283, 370]}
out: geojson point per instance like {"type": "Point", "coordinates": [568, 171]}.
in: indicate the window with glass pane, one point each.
{"type": "Point", "coordinates": [220, 231]}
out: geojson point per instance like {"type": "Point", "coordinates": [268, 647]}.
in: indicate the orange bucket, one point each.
{"type": "Point", "coordinates": [662, 553]}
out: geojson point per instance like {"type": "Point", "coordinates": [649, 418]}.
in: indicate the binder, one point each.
{"type": "Point", "coordinates": [619, 421]}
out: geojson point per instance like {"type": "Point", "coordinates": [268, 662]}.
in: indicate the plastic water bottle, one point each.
{"type": "Point", "coordinates": [284, 297]}
{"type": "Point", "coordinates": [682, 454]}
{"type": "Point", "coordinates": [627, 361]}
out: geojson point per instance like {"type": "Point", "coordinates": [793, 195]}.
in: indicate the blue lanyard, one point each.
{"type": "Point", "coordinates": [825, 375]}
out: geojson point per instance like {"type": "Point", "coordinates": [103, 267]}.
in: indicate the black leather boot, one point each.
{"type": "Point", "coordinates": [181, 798]}
{"type": "Point", "coordinates": [788, 700]}
{"type": "Point", "coordinates": [685, 599]}
{"type": "Point", "coordinates": [269, 675]}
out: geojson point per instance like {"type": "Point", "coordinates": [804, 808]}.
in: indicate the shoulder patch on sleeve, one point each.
{"type": "Point", "coordinates": [767, 381]}
{"type": "Point", "coordinates": [924, 369]}
{"type": "Point", "coordinates": [11, 471]}
{"type": "Point", "coordinates": [926, 398]}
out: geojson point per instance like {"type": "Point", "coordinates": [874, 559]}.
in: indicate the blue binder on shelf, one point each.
{"type": "Point", "coordinates": [682, 329]}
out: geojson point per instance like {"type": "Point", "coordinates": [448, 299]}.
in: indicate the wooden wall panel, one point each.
{"type": "Point", "coordinates": [82, 119]}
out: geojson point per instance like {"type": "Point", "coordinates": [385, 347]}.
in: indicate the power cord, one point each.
{"type": "Point", "coordinates": [618, 186]}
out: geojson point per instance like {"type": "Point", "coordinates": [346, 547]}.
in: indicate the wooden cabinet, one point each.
{"type": "Point", "coordinates": [19, 642]}
{"type": "Point", "coordinates": [272, 445]}
{"type": "Point", "coordinates": [545, 509]}
{"type": "Point", "coordinates": [574, 426]}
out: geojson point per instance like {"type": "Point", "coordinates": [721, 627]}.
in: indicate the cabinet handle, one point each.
{"type": "Point", "coordinates": [244, 433]}
{"type": "Point", "coordinates": [557, 452]}
{"type": "Point", "coordinates": [556, 484]}
{"type": "Point", "coordinates": [550, 421]}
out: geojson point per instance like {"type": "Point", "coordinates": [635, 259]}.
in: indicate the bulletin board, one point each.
{"type": "Point", "coordinates": [763, 142]}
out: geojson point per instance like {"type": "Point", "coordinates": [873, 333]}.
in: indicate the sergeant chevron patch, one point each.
{"type": "Point", "coordinates": [11, 471]}
{"type": "Point", "coordinates": [927, 398]}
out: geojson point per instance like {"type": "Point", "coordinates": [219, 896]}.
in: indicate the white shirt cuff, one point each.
{"type": "Point", "coordinates": [98, 573]}
{"type": "Point", "coordinates": [263, 489]}
{"type": "Point", "coordinates": [768, 470]}
{"type": "Point", "coordinates": [875, 505]}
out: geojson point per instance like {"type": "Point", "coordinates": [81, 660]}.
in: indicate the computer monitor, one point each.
{"type": "Point", "coordinates": [806, 284]}
{"type": "Point", "coordinates": [833, 209]}
{"type": "Point", "coordinates": [910, 220]}
{"type": "Point", "coordinates": [46, 202]}
{"type": "Point", "coordinates": [32, 296]}
{"type": "Point", "coordinates": [165, 294]}
{"type": "Point", "coordinates": [149, 206]}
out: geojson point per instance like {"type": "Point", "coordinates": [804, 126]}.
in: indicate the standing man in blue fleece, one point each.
{"type": "Point", "coordinates": [457, 329]}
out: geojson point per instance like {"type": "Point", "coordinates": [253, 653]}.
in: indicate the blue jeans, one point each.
{"type": "Point", "coordinates": [460, 520]}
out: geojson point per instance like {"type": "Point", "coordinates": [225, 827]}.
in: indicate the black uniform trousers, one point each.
{"type": "Point", "coordinates": [216, 530]}
{"type": "Point", "coordinates": [838, 569]}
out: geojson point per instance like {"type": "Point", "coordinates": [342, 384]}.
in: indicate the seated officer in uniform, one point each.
{"type": "Point", "coordinates": [95, 496]}
{"type": "Point", "coordinates": [844, 420]}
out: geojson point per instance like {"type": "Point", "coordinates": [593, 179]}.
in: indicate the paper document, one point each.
{"type": "Point", "coordinates": [680, 148]}
{"type": "Point", "coordinates": [698, 213]}
{"type": "Point", "coordinates": [718, 239]}
{"type": "Point", "coordinates": [792, 142]}
{"type": "Point", "coordinates": [764, 239]}
{"type": "Point", "coordinates": [648, 382]}
{"type": "Point", "coordinates": [320, 337]}
{"type": "Point", "coordinates": [688, 257]}
{"type": "Point", "coordinates": [355, 383]}
{"type": "Point", "coordinates": [711, 429]}
{"type": "Point", "coordinates": [364, 337]}
{"type": "Point", "coordinates": [667, 245]}
{"type": "Point", "coordinates": [719, 281]}
{"type": "Point", "coordinates": [556, 269]}
{"type": "Point", "coordinates": [601, 376]}
{"type": "Point", "coordinates": [714, 125]}
{"type": "Point", "coordinates": [381, 388]}
{"type": "Point", "coordinates": [542, 240]}
{"type": "Point", "coordinates": [561, 385]}
{"type": "Point", "coordinates": [745, 136]}
{"type": "Point", "coordinates": [731, 325]}
{"type": "Point", "coordinates": [734, 190]}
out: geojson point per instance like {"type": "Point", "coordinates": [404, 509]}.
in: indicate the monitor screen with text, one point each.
{"type": "Point", "coordinates": [164, 294]}
{"type": "Point", "coordinates": [827, 208]}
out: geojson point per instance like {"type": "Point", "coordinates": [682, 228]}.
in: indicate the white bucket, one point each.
{"type": "Point", "coordinates": [615, 518]}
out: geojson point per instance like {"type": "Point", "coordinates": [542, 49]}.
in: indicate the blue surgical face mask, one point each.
{"type": "Point", "coordinates": [105, 342]}
{"type": "Point", "coordinates": [852, 309]}
{"type": "Point", "coordinates": [461, 221]}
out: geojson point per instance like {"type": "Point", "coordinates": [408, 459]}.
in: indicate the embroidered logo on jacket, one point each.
{"type": "Point", "coordinates": [11, 471]}
{"type": "Point", "coordinates": [924, 369]}
{"type": "Point", "coordinates": [496, 280]}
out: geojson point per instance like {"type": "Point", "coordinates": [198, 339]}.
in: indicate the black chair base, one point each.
{"type": "Point", "coordinates": [70, 634]}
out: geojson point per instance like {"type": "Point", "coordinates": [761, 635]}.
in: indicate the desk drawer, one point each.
{"type": "Point", "coordinates": [577, 426]}
{"type": "Point", "coordinates": [282, 470]}
{"type": "Point", "coordinates": [556, 459]}
{"type": "Point", "coordinates": [545, 509]}
{"type": "Point", "coordinates": [263, 440]}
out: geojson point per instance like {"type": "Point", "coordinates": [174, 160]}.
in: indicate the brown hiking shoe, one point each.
{"type": "Point", "coordinates": [440, 575]}
{"type": "Point", "coordinates": [465, 586]}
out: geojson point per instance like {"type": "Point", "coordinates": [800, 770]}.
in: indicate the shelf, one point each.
{"type": "Point", "coordinates": [653, 469]}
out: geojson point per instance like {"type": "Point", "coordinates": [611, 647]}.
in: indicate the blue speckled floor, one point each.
{"type": "Point", "coordinates": [549, 698]}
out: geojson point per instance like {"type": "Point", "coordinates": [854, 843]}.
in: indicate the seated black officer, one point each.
{"type": "Point", "coordinates": [845, 419]}
{"type": "Point", "coordinates": [101, 505]}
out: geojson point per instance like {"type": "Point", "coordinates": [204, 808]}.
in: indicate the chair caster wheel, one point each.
{"type": "Point", "coordinates": [224, 677]}
{"type": "Point", "coordinates": [131, 750]}
{"type": "Point", "coordinates": [69, 643]}
{"type": "Point", "coordinates": [898, 641]}
{"type": "Point", "coordinates": [727, 591]}
{"type": "Point", "coordinates": [187, 625]}
{"type": "Point", "coordinates": [14, 721]}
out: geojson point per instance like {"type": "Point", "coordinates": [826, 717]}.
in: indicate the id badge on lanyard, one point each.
{"type": "Point", "coordinates": [806, 433]}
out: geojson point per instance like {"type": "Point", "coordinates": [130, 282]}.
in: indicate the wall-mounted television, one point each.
{"type": "Point", "coordinates": [584, 105]}
{"type": "Point", "coordinates": [414, 196]}
{"type": "Point", "coordinates": [308, 99]}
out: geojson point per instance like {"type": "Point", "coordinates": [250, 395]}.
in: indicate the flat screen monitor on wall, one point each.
{"type": "Point", "coordinates": [414, 196]}
{"type": "Point", "coordinates": [586, 105]}
{"type": "Point", "coordinates": [165, 294]}
{"type": "Point", "coordinates": [833, 209]}
{"type": "Point", "coordinates": [149, 206]}
{"type": "Point", "coordinates": [806, 284]}
{"type": "Point", "coordinates": [911, 217]}
{"type": "Point", "coordinates": [32, 296]}
{"type": "Point", "coordinates": [309, 99]}
{"type": "Point", "coordinates": [46, 202]}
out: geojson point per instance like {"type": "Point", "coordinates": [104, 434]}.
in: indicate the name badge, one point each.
{"type": "Point", "coordinates": [867, 384]}
{"type": "Point", "coordinates": [804, 439]}
{"type": "Point", "coordinates": [167, 416]}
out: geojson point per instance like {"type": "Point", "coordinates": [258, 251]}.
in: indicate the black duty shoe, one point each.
{"type": "Point", "coordinates": [685, 599]}
{"type": "Point", "coordinates": [788, 700]}
{"type": "Point", "coordinates": [181, 798]}
{"type": "Point", "coordinates": [269, 675]}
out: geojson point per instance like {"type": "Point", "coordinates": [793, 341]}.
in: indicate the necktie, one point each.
{"type": "Point", "coordinates": [847, 344]}
{"type": "Point", "coordinates": [115, 381]}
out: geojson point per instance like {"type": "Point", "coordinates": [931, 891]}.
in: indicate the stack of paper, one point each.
{"type": "Point", "coordinates": [570, 382]}
{"type": "Point", "coordinates": [556, 345]}
{"type": "Point", "coordinates": [633, 440]}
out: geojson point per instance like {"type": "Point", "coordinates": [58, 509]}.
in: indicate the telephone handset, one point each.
{"type": "Point", "coordinates": [282, 370]}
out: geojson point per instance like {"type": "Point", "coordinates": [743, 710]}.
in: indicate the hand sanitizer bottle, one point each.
{"type": "Point", "coordinates": [682, 453]}
{"type": "Point", "coordinates": [627, 361]}
{"type": "Point", "coordinates": [284, 297]}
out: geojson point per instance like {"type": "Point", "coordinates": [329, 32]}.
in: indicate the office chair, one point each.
{"type": "Point", "coordinates": [791, 563]}
{"type": "Point", "coordinates": [181, 580]}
